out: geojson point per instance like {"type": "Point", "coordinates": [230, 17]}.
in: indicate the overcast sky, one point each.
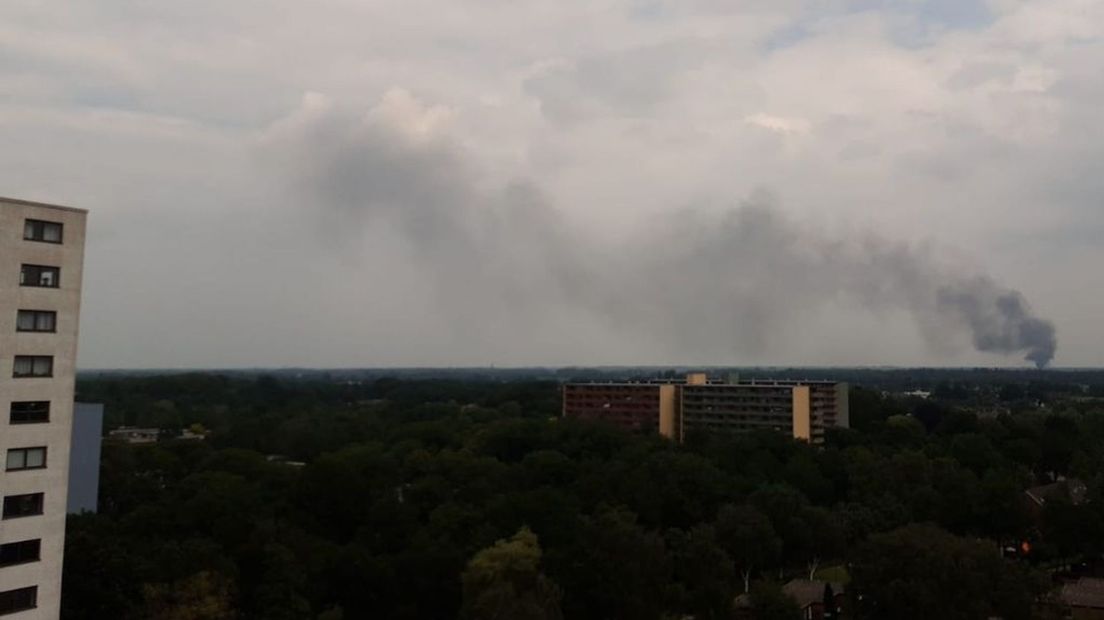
{"type": "Point", "coordinates": [514, 182]}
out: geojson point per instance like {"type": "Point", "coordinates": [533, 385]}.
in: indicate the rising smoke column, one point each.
{"type": "Point", "coordinates": [748, 273]}
{"type": "Point", "coordinates": [999, 319]}
{"type": "Point", "coordinates": [708, 281]}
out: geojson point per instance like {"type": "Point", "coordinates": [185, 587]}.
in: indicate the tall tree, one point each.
{"type": "Point", "coordinates": [202, 596]}
{"type": "Point", "coordinates": [704, 583]}
{"type": "Point", "coordinates": [749, 539]}
{"type": "Point", "coordinates": [614, 568]}
{"type": "Point", "coordinates": [823, 538]}
{"type": "Point", "coordinates": [920, 572]}
{"type": "Point", "coordinates": [504, 582]}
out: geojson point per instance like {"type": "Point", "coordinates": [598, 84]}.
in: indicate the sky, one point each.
{"type": "Point", "coordinates": [349, 183]}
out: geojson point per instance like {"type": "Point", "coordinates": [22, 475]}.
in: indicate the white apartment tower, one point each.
{"type": "Point", "coordinates": [41, 262]}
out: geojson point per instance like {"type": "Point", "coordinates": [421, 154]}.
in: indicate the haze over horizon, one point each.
{"type": "Point", "coordinates": [616, 183]}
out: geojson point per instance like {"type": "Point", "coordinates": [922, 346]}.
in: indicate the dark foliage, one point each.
{"type": "Point", "coordinates": [337, 497]}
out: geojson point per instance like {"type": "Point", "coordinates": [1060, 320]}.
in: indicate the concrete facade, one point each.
{"type": "Point", "coordinates": [828, 403]}
{"type": "Point", "coordinates": [55, 350]}
{"type": "Point", "coordinates": [635, 406]}
{"type": "Point", "coordinates": [84, 458]}
{"type": "Point", "coordinates": [801, 409]}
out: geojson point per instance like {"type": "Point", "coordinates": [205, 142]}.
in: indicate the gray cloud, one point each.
{"type": "Point", "coordinates": [632, 82]}
{"type": "Point", "coordinates": [637, 127]}
{"type": "Point", "coordinates": [697, 282]}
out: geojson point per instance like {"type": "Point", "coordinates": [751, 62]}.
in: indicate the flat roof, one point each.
{"type": "Point", "coordinates": [31, 203]}
{"type": "Point", "coordinates": [751, 383]}
{"type": "Point", "coordinates": [620, 383]}
{"type": "Point", "coordinates": [745, 384]}
{"type": "Point", "coordinates": [703, 386]}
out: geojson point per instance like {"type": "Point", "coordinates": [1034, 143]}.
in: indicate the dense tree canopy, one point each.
{"type": "Point", "coordinates": [325, 498]}
{"type": "Point", "coordinates": [921, 572]}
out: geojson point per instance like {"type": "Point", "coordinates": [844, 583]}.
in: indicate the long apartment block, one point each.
{"type": "Point", "coordinates": [41, 264]}
{"type": "Point", "coordinates": [677, 409]}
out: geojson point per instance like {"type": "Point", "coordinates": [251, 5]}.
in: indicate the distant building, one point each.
{"type": "Point", "coordinates": [674, 409]}
{"type": "Point", "coordinates": [130, 434]}
{"type": "Point", "coordinates": [84, 460]}
{"type": "Point", "coordinates": [1082, 600]}
{"type": "Point", "coordinates": [634, 406]}
{"type": "Point", "coordinates": [134, 435]}
{"type": "Point", "coordinates": [41, 268]}
{"type": "Point", "coordinates": [1072, 490]}
{"type": "Point", "coordinates": [807, 593]}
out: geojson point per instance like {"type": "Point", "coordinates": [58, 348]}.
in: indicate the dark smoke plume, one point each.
{"type": "Point", "coordinates": [700, 282]}
{"type": "Point", "coordinates": [1000, 320]}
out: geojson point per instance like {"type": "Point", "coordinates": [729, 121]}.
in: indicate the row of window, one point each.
{"type": "Point", "coordinates": [726, 418]}
{"type": "Point", "coordinates": [25, 412]}
{"type": "Point", "coordinates": [20, 552]}
{"type": "Point", "coordinates": [599, 404]}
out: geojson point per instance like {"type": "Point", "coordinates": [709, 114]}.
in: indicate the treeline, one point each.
{"type": "Point", "coordinates": [228, 404]}
{"type": "Point", "coordinates": [436, 499]}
